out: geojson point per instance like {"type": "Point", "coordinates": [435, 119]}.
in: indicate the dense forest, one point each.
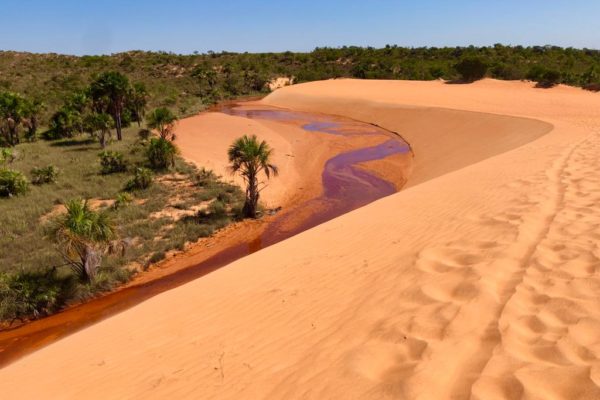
{"type": "Point", "coordinates": [186, 83]}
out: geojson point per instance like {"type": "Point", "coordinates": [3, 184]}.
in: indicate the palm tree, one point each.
{"type": "Point", "coordinates": [163, 120]}
{"type": "Point", "coordinates": [82, 234]}
{"type": "Point", "coordinates": [161, 153]}
{"type": "Point", "coordinates": [31, 113]}
{"type": "Point", "coordinates": [138, 98]}
{"type": "Point", "coordinates": [110, 91]}
{"type": "Point", "coordinates": [249, 157]}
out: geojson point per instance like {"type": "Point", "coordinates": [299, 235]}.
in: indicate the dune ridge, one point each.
{"type": "Point", "coordinates": [479, 281]}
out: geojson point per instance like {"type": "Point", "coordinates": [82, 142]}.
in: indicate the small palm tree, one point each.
{"type": "Point", "coordinates": [161, 153]}
{"type": "Point", "coordinates": [249, 157]}
{"type": "Point", "coordinates": [163, 120]}
{"type": "Point", "coordinates": [82, 234]}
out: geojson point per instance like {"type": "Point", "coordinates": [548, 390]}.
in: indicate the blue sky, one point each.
{"type": "Point", "coordinates": [184, 26]}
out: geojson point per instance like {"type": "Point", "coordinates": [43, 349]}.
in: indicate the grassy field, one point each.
{"type": "Point", "coordinates": [182, 205]}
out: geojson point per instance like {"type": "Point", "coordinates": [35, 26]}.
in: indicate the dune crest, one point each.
{"type": "Point", "coordinates": [481, 280]}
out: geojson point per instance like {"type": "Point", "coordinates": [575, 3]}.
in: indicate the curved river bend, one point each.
{"type": "Point", "coordinates": [346, 186]}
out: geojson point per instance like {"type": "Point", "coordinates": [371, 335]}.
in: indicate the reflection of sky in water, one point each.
{"type": "Point", "coordinates": [307, 121]}
{"type": "Point", "coordinates": [329, 127]}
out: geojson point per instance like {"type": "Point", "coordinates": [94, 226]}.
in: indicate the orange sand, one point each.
{"type": "Point", "coordinates": [481, 280]}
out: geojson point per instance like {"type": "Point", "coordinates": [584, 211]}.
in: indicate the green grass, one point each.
{"type": "Point", "coordinates": [24, 243]}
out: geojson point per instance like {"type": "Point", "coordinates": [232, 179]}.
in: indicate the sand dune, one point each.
{"type": "Point", "coordinates": [481, 280]}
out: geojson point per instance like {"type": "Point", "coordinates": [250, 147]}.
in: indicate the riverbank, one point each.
{"type": "Point", "coordinates": [339, 184]}
{"type": "Point", "coordinates": [478, 280]}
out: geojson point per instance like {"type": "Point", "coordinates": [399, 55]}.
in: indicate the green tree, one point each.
{"type": "Point", "coordinates": [82, 235]}
{"type": "Point", "coordinates": [78, 101]}
{"type": "Point", "coordinates": [163, 120]}
{"type": "Point", "coordinates": [471, 69]}
{"type": "Point", "coordinates": [206, 76]}
{"type": "Point", "coordinates": [65, 122]}
{"type": "Point", "coordinates": [109, 92]}
{"type": "Point", "coordinates": [137, 101]}
{"type": "Point", "coordinates": [99, 125]}
{"type": "Point", "coordinates": [31, 113]}
{"type": "Point", "coordinates": [12, 110]}
{"type": "Point", "coordinates": [249, 157]}
{"type": "Point", "coordinates": [544, 77]}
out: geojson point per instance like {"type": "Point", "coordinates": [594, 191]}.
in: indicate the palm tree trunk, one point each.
{"type": "Point", "coordinates": [118, 125]}
{"type": "Point", "coordinates": [252, 195]}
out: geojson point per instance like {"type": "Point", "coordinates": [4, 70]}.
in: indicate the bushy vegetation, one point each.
{"type": "Point", "coordinates": [187, 83]}
{"type": "Point", "coordinates": [43, 175]}
{"type": "Point", "coordinates": [16, 113]}
{"type": "Point", "coordinates": [142, 179]}
{"type": "Point", "coordinates": [161, 153]}
{"type": "Point", "coordinates": [12, 183]}
{"type": "Point", "coordinates": [544, 77]}
{"type": "Point", "coordinates": [33, 293]}
{"type": "Point", "coordinates": [122, 200]}
{"type": "Point", "coordinates": [7, 156]}
{"type": "Point", "coordinates": [471, 69]}
{"type": "Point", "coordinates": [28, 235]}
{"type": "Point", "coordinates": [112, 162]}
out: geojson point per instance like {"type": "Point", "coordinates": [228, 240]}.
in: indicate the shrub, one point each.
{"type": "Point", "coordinates": [471, 69]}
{"type": "Point", "coordinates": [64, 123]}
{"type": "Point", "coordinates": [156, 257]}
{"type": "Point", "coordinates": [44, 175]}
{"type": "Point", "coordinates": [543, 76]}
{"type": "Point", "coordinates": [161, 153]}
{"type": "Point", "coordinates": [7, 156]}
{"type": "Point", "coordinates": [112, 162]}
{"type": "Point", "coordinates": [12, 183]}
{"type": "Point", "coordinates": [122, 200]}
{"type": "Point", "coordinates": [204, 177]}
{"type": "Point", "coordinates": [142, 179]}
{"type": "Point", "coordinates": [550, 78]}
{"type": "Point", "coordinates": [507, 72]}
{"type": "Point", "coordinates": [33, 294]}
{"type": "Point", "coordinates": [217, 209]}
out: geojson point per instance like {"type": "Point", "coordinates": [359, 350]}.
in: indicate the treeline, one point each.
{"type": "Point", "coordinates": [186, 83]}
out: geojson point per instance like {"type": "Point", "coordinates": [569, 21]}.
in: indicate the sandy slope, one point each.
{"type": "Point", "coordinates": [298, 154]}
{"type": "Point", "coordinates": [481, 281]}
{"type": "Point", "coordinates": [205, 139]}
